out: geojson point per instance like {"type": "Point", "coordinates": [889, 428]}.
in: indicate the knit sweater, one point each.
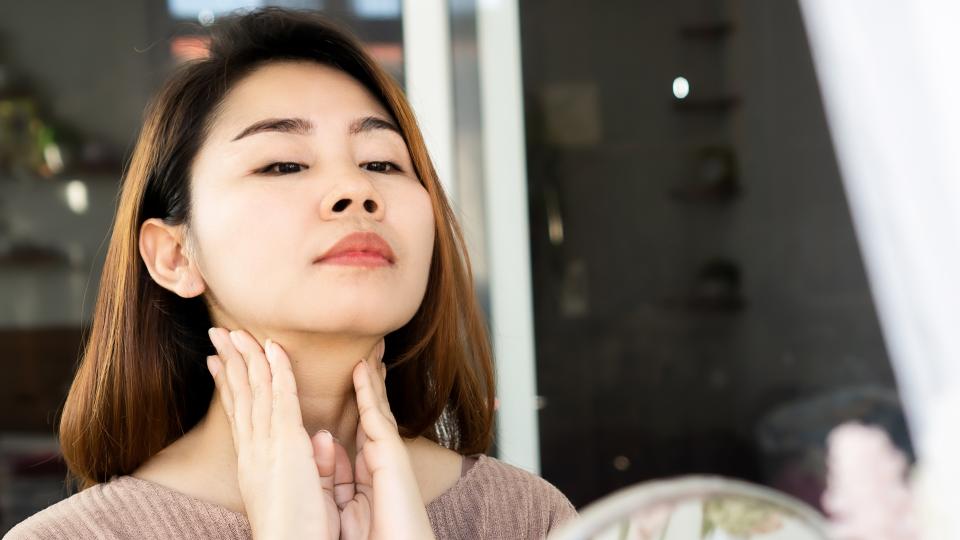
{"type": "Point", "coordinates": [492, 499]}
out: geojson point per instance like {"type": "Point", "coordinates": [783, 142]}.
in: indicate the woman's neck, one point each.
{"type": "Point", "coordinates": [324, 376]}
{"type": "Point", "coordinates": [323, 367]}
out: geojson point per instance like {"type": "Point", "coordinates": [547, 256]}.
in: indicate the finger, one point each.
{"type": "Point", "coordinates": [375, 361]}
{"type": "Point", "coordinates": [286, 402]}
{"type": "Point", "coordinates": [376, 424]}
{"type": "Point", "coordinates": [383, 381]}
{"type": "Point", "coordinates": [378, 378]}
{"type": "Point", "coordinates": [343, 490]}
{"type": "Point", "coordinates": [258, 376]}
{"type": "Point", "coordinates": [361, 474]}
{"type": "Point", "coordinates": [235, 369]}
{"type": "Point", "coordinates": [215, 365]}
{"type": "Point", "coordinates": [324, 454]}
{"type": "Point", "coordinates": [378, 383]}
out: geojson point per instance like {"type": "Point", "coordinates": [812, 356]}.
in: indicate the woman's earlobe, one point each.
{"type": "Point", "coordinates": [195, 287]}
{"type": "Point", "coordinates": [162, 254]}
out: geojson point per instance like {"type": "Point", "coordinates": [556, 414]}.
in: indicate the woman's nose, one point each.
{"type": "Point", "coordinates": [369, 205]}
{"type": "Point", "coordinates": [355, 195]}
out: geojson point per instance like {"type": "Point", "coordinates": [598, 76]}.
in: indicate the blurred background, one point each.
{"type": "Point", "coordinates": [690, 293]}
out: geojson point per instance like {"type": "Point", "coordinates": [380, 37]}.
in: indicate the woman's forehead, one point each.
{"type": "Point", "coordinates": [327, 98]}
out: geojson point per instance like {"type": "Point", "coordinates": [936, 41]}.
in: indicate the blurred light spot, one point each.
{"type": "Point", "coordinates": [51, 154]}
{"type": "Point", "coordinates": [554, 218]}
{"type": "Point", "coordinates": [621, 463]}
{"type": "Point", "coordinates": [76, 192]}
{"type": "Point", "coordinates": [681, 87]}
{"type": "Point", "coordinates": [206, 17]}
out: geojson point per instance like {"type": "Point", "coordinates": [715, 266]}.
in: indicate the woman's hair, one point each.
{"type": "Point", "coordinates": [142, 380]}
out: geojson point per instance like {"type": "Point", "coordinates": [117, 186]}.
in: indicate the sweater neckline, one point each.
{"type": "Point", "coordinates": [483, 461]}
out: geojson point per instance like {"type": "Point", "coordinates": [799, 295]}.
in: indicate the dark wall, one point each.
{"type": "Point", "coordinates": [669, 328]}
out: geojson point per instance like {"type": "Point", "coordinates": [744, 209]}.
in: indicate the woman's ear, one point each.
{"type": "Point", "coordinates": [168, 260]}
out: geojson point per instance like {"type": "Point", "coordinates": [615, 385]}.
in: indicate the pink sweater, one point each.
{"type": "Point", "coordinates": [492, 499]}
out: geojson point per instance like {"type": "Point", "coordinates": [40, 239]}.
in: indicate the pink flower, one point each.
{"type": "Point", "coordinates": [867, 496]}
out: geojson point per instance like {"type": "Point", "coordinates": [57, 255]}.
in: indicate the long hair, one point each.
{"type": "Point", "coordinates": [142, 381]}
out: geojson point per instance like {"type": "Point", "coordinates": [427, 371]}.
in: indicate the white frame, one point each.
{"type": "Point", "coordinates": [427, 52]}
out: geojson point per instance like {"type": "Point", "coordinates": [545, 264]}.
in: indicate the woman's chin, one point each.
{"type": "Point", "coordinates": [355, 322]}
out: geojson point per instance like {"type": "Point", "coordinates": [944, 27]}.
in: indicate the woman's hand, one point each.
{"type": "Point", "coordinates": [382, 500]}
{"type": "Point", "coordinates": [286, 489]}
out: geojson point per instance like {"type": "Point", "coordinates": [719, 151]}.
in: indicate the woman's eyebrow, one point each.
{"type": "Point", "coordinates": [301, 126]}
{"type": "Point", "coordinates": [370, 123]}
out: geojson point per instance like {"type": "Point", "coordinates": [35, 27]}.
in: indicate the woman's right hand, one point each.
{"type": "Point", "coordinates": [287, 493]}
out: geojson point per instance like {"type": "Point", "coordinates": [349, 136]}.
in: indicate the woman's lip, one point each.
{"type": "Point", "coordinates": [356, 258]}
{"type": "Point", "coordinates": [367, 242]}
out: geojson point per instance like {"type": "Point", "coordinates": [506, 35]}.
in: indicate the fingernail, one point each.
{"type": "Point", "coordinates": [271, 353]}
{"type": "Point", "coordinates": [212, 366]}
{"type": "Point", "coordinates": [211, 333]}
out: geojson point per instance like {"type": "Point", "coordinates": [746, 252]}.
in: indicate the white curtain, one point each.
{"type": "Point", "coordinates": [889, 73]}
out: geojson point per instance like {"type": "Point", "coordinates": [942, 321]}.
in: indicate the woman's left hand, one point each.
{"type": "Point", "coordinates": [380, 498]}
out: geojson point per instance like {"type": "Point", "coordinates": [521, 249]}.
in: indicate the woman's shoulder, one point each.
{"type": "Point", "coordinates": [498, 497]}
{"type": "Point", "coordinates": [74, 515]}
{"type": "Point", "coordinates": [128, 507]}
{"type": "Point", "coordinates": [496, 474]}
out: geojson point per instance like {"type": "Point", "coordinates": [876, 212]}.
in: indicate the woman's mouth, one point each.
{"type": "Point", "coordinates": [356, 258]}
{"type": "Point", "coordinates": [359, 249]}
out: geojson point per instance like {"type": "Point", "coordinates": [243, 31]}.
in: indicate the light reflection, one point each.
{"type": "Point", "coordinates": [51, 154]}
{"type": "Point", "coordinates": [206, 17]}
{"type": "Point", "coordinates": [76, 194]}
{"type": "Point", "coordinates": [681, 87]}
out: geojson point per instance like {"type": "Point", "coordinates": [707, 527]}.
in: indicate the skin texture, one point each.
{"type": "Point", "coordinates": [250, 250]}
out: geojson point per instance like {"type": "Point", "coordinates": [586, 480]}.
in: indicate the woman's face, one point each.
{"type": "Point", "coordinates": [266, 203]}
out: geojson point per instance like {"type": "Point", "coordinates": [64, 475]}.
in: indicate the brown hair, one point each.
{"type": "Point", "coordinates": [142, 381]}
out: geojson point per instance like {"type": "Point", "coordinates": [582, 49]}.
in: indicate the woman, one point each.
{"type": "Point", "coordinates": [280, 189]}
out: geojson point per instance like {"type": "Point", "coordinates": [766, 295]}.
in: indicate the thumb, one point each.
{"type": "Point", "coordinates": [324, 456]}
{"type": "Point", "coordinates": [344, 489]}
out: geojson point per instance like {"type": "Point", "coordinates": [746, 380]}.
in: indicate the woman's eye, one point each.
{"type": "Point", "coordinates": [282, 167]}
{"type": "Point", "coordinates": [383, 166]}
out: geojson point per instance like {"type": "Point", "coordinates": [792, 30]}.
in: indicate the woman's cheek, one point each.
{"type": "Point", "coordinates": [419, 215]}
{"type": "Point", "coordinates": [238, 261]}
{"type": "Point", "coordinates": [426, 232]}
